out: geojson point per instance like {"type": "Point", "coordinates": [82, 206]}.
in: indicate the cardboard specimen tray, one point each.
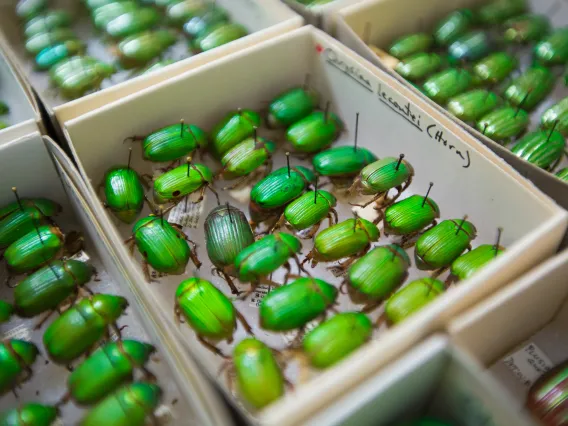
{"type": "Point", "coordinates": [321, 16]}
{"type": "Point", "coordinates": [468, 179]}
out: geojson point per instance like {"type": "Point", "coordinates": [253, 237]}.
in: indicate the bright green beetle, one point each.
{"type": "Point", "coordinates": [47, 22]}
{"type": "Point", "coordinates": [336, 338]}
{"type": "Point", "coordinates": [503, 123]}
{"type": "Point", "coordinates": [314, 132]}
{"type": "Point", "coordinates": [447, 83]}
{"type": "Point", "coordinates": [439, 246]}
{"type": "Point", "coordinates": [157, 66]}
{"type": "Point", "coordinates": [104, 14]}
{"type": "Point", "coordinates": [80, 327]}
{"type": "Point", "coordinates": [227, 233]}
{"type": "Point", "coordinates": [245, 158]}
{"type": "Point", "coordinates": [207, 311]}
{"type": "Point", "coordinates": [181, 11]}
{"type": "Point", "coordinates": [411, 298]}
{"type": "Point", "coordinates": [4, 108]}
{"type": "Point", "coordinates": [294, 305]}
{"type": "Point", "coordinates": [526, 28]}
{"type": "Point", "coordinates": [470, 47]}
{"type": "Point", "coordinates": [40, 41]}
{"type": "Point", "coordinates": [544, 149]}
{"type": "Point", "coordinates": [495, 68]}
{"type": "Point", "coordinates": [94, 5]}
{"type": "Point", "coordinates": [563, 174]}
{"type": "Point", "coordinates": [56, 53]}
{"type": "Point", "coordinates": [342, 161]}
{"type": "Point", "coordinates": [453, 26]}
{"type": "Point", "coordinates": [410, 44]}
{"type": "Point", "coordinates": [16, 360]}
{"type": "Point", "coordinates": [409, 216]}
{"type": "Point", "coordinates": [498, 11]}
{"type": "Point", "coordinates": [6, 311]}
{"type": "Point", "coordinates": [467, 264]}
{"type": "Point", "coordinates": [48, 287]}
{"type": "Point", "coordinates": [124, 194]}
{"type": "Point", "coordinates": [377, 274]}
{"type": "Point", "coordinates": [219, 35]}
{"type": "Point", "coordinates": [163, 245]}
{"type": "Point", "coordinates": [199, 25]}
{"type": "Point", "coordinates": [471, 106]}
{"type": "Point", "coordinates": [132, 22]}
{"type": "Point", "coordinates": [556, 116]}
{"type": "Point", "coordinates": [139, 49]}
{"type": "Point", "coordinates": [130, 405]}
{"type": "Point", "coordinates": [291, 106]}
{"type": "Point", "coordinates": [234, 128]}
{"type": "Point", "coordinates": [553, 50]}
{"type": "Point", "coordinates": [30, 414]}
{"type": "Point", "coordinates": [380, 177]}
{"type": "Point", "coordinates": [29, 9]}
{"type": "Point", "coordinates": [108, 368]}
{"type": "Point", "coordinates": [528, 90]}
{"type": "Point", "coordinates": [77, 75]}
{"type": "Point", "coordinates": [350, 238]}
{"type": "Point", "coordinates": [419, 66]}
{"type": "Point", "coordinates": [176, 184]}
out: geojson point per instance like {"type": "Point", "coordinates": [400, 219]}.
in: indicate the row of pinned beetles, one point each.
{"type": "Point", "coordinates": [130, 26]}
{"type": "Point", "coordinates": [467, 64]}
{"type": "Point", "coordinates": [33, 245]}
{"type": "Point", "coordinates": [291, 197]}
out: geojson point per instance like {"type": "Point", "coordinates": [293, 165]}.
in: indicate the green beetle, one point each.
{"type": "Point", "coordinates": [447, 83]}
{"type": "Point", "coordinates": [342, 162]}
{"type": "Point", "coordinates": [29, 9]}
{"type": "Point", "coordinates": [104, 14]}
{"type": "Point", "coordinates": [503, 123]}
{"type": "Point", "coordinates": [438, 247]}
{"type": "Point", "coordinates": [294, 305]}
{"type": "Point", "coordinates": [528, 90]}
{"type": "Point", "coordinates": [470, 47]}
{"type": "Point", "coordinates": [553, 50]}
{"type": "Point", "coordinates": [139, 49]}
{"type": "Point", "coordinates": [6, 311]}
{"type": "Point", "coordinates": [30, 414]}
{"type": "Point", "coordinates": [40, 41]}
{"type": "Point", "coordinates": [563, 174]}
{"type": "Point", "coordinates": [176, 184]}
{"type": "Point", "coordinates": [380, 177]}
{"type": "Point", "coordinates": [419, 66]}
{"type": "Point", "coordinates": [47, 22]}
{"type": "Point", "coordinates": [471, 106]}
{"type": "Point", "coordinates": [124, 194]}
{"type": "Point", "coordinates": [411, 298]}
{"type": "Point", "coordinates": [453, 26]}
{"type": "Point", "coordinates": [219, 35]}
{"type": "Point", "coordinates": [50, 286]}
{"type": "Point", "coordinates": [350, 238]}
{"type": "Point", "coordinates": [499, 11]}
{"type": "Point", "coordinates": [377, 274]}
{"type": "Point", "coordinates": [336, 338]}
{"type": "Point", "coordinates": [78, 75]}
{"type": "Point", "coordinates": [56, 53]}
{"type": "Point", "coordinates": [544, 149]}
{"type": "Point", "coordinates": [308, 211]}
{"type": "Point", "coordinates": [314, 132]}
{"type": "Point", "coordinates": [495, 67]}
{"type": "Point", "coordinates": [181, 11]}
{"type": "Point", "coordinates": [526, 28]}
{"type": "Point", "coordinates": [93, 5]}
{"type": "Point", "coordinates": [16, 360]}
{"type": "Point", "coordinates": [199, 25]}
{"type": "Point", "coordinates": [291, 106]}
{"type": "Point", "coordinates": [130, 405]}
{"type": "Point", "coordinates": [108, 368]}
{"type": "Point", "coordinates": [133, 22]}
{"type": "Point", "coordinates": [4, 108]}
{"type": "Point", "coordinates": [467, 264]}
{"type": "Point", "coordinates": [410, 44]}
{"type": "Point", "coordinates": [163, 245]}
{"type": "Point", "coordinates": [234, 128]}
{"type": "Point", "coordinates": [208, 312]}
{"type": "Point", "coordinates": [80, 327]}
{"type": "Point", "coordinates": [227, 233]}
{"type": "Point", "coordinates": [556, 116]}
{"type": "Point", "coordinates": [157, 66]}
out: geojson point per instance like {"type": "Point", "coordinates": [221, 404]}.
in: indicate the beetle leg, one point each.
{"type": "Point", "coordinates": [148, 375]}
{"type": "Point", "coordinates": [214, 191]}
{"type": "Point", "coordinates": [146, 270]}
{"type": "Point", "coordinates": [237, 183]}
{"type": "Point", "coordinates": [449, 281]}
{"type": "Point", "coordinates": [116, 329]}
{"type": "Point", "coordinates": [301, 265]}
{"type": "Point", "coordinates": [380, 217]}
{"type": "Point", "coordinates": [44, 319]}
{"type": "Point", "coordinates": [227, 278]}
{"type": "Point", "coordinates": [314, 229]}
{"type": "Point", "coordinates": [355, 185]}
{"type": "Point", "coordinates": [371, 306]}
{"type": "Point", "coordinates": [269, 282]}
{"type": "Point", "coordinates": [244, 322]}
{"type": "Point", "coordinates": [380, 320]}
{"type": "Point", "coordinates": [63, 400]}
{"type": "Point", "coordinates": [193, 253]}
{"type": "Point", "coordinates": [279, 223]}
{"type": "Point", "coordinates": [133, 139]}
{"type": "Point", "coordinates": [201, 195]}
{"type": "Point", "coordinates": [211, 347]}
{"type": "Point", "coordinates": [334, 213]}
{"type": "Point", "coordinates": [439, 272]}
{"type": "Point", "coordinates": [374, 199]}
{"type": "Point", "coordinates": [309, 256]}
{"type": "Point", "coordinates": [178, 318]}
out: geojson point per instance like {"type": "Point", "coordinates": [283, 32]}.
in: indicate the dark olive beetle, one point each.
{"type": "Point", "coordinates": [528, 90]}
{"type": "Point", "coordinates": [470, 47]}
{"type": "Point", "coordinates": [556, 116]}
{"type": "Point", "coordinates": [453, 26]}
{"type": "Point", "coordinates": [410, 44]}
{"type": "Point", "coordinates": [291, 106]}
{"type": "Point", "coordinates": [294, 305]}
{"type": "Point", "coordinates": [546, 399]}
{"type": "Point", "coordinates": [563, 174]}
{"type": "Point", "coordinates": [46, 22]}
{"type": "Point", "coordinates": [31, 414]}
{"type": "Point", "coordinates": [411, 298]}
{"type": "Point", "coordinates": [553, 50]}
{"type": "Point", "coordinates": [419, 66]}
{"type": "Point", "coordinates": [6, 311]}
{"type": "Point", "coordinates": [132, 22]}
{"type": "Point", "coordinates": [472, 105]}
{"type": "Point", "coordinates": [467, 264]}
{"type": "Point", "coordinates": [199, 25]}
{"type": "Point", "coordinates": [495, 67]}
{"type": "Point", "coordinates": [544, 149]}
{"type": "Point", "coordinates": [442, 86]}
{"type": "Point", "coordinates": [16, 360]}
{"type": "Point", "coordinates": [503, 123]}
{"type": "Point", "coordinates": [234, 128]}
{"type": "Point", "coordinates": [526, 28]}
{"type": "Point", "coordinates": [56, 53]}
{"type": "Point", "coordinates": [342, 161]}
{"type": "Point", "coordinates": [139, 49]}
{"type": "Point", "coordinates": [218, 35]}
{"type": "Point", "coordinates": [497, 11]}
{"type": "Point", "coordinates": [314, 132]}
{"type": "Point", "coordinates": [81, 327]}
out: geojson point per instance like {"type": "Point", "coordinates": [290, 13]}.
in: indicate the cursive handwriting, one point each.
{"type": "Point", "coordinates": [405, 111]}
{"type": "Point", "coordinates": [438, 135]}
{"type": "Point", "coordinates": [353, 72]}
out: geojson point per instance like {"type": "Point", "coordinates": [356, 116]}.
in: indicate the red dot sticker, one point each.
{"type": "Point", "coordinates": [319, 48]}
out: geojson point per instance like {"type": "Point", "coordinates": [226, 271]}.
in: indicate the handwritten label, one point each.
{"type": "Point", "coordinates": [21, 332]}
{"type": "Point", "coordinates": [351, 71]}
{"type": "Point", "coordinates": [528, 364]}
{"type": "Point", "coordinates": [186, 213]}
{"type": "Point", "coordinates": [80, 256]}
{"type": "Point", "coordinates": [259, 292]}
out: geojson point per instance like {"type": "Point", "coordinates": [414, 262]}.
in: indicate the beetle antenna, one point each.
{"type": "Point", "coordinates": [229, 211]}
{"type": "Point", "coordinates": [522, 102]}
{"type": "Point", "coordinates": [366, 33]}
{"type": "Point", "coordinates": [307, 81]}
{"type": "Point", "coordinates": [288, 162]}
{"type": "Point", "coordinates": [356, 131]}
{"type": "Point", "coordinates": [496, 246]}
{"type": "Point", "coordinates": [316, 191]}
{"type": "Point", "coordinates": [326, 113]}
{"type": "Point", "coordinates": [129, 158]}
{"type": "Point", "coordinates": [552, 130]}
{"type": "Point", "coordinates": [427, 193]}
{"type": "Point", "coordinates": [15, 190]}
{"type": "Point", "coordinates": [188, 165]}
{"type": "Point", "coordinates": [181, 128]}
{"type": "Point", "coordinates": [461, 224]}
{"type": "Point", "coordinates": [399, 161]}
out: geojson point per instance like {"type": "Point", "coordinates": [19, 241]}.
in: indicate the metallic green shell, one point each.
{"type": "Point", "coordinates": [546, 398]}
{"type": "Point", "coordinates": [94, 5]}
{"type": "Point", "coordinates": [221, 34]}
{"type": "Point", "coordinates": [177, 183]}
{"type": "Point", "coordinates": [447, 83]}
{"type": "Point", "coordinates": [556, 113]}
{"type": "Point", "coordinates": [314, 132]}
{"type": "Point", "coordinates": [410, 215]}
{"type": "Point", "coordinates": [498, 11]}
{"type": "Point", "coordinates": [266, 255]}
{"type": "Point", "coordinates": [278, 189]}
{"type": "Point", "coordinates": [30, 414]}
{"type": "Point", "coordinates": [495, 67]}
{"type": "Point", "coordinates": [309, 209]}
{"type": "Point", "coordinates": [227, 233]}
{"type": "Point", "coordinates": [469, 263]}
{"type": "Point", "coordinates": [383, 175]}
{"type": "Point", "coordinates": [157, 66]}
{"type": "Point", "coordinates": [472, 105]}
{"type": "Point", "coordinates": [79, 74]}
{"type": "Point", "coordinates": [410, 44]}
{"type": "Point", "coordinates": [234, 128]}
{"type": "Point", "coordinates": [15, 356]}
{"type": "Point", "coordinates": [336, 338]}
{"type": "Point", "coordinates": [528, 90]}
{"type": "Point", "coordinates": [124, 194]}
{"type": "Point", "coordinates": [247, 156]}
{"type": "Point", "coordinates": [259, 379]}
{"type": "Point", "coordinates": [526, 28]}
{"type": "Point", "coordinates": [132, 22]}
{"type": "Point", "coordinates": [553, 50]}
{"type": "Point", "coordinates": [106, 369]}
{"type": "Point", "coordinates": [47, 22]}
{"type": "Point", "coordinates": [541, 148]}
{"type": "Point", "coordinates": [563, 174]}
{"type": "Point", "coordinates": [470, 47]}
{"type": "Point", "coordinates": [78, 328]}
{"type": "Point", "coordinates": [441, 245]}
{"type": "Point", "coordinates": [291, 106]}
{"type": "Point", "coordinates": [503, 123]}
{"type": "Point", "coordinates": [48, 287]}
{"type": "Point", "coordinates": [141, 48]}
{"type": "Point", "coordinates": [201, 24]}
{"type": "Point", "coordinates": [182, 11]}
{"type": "Point", "coordinates": [29, 9]}
{"type": "Point", "coordinates": [379, 272]}
{"type": "Point", "coordinates": [6, 311]}
{"type": "Point", "coordinates": [294, 305]}
{"type": "Point", "coordinates": [206, 309]}
{"type": "Point", "coordinates": [161, 245]}
{"type": "Point", "coordinates": [453, 26]}
{"type": "Point", "coordinates": [104, 14]}
{"type": "Point", "coordinates": [40, 41]}
{"type": "Point", "coordinates": [411, 298]}
{"type": "Point", "coordinates": [56, 53]}
{"type": "Point", "coordinates": [419, 66]}
{"type": "Point", "coordinates": [344, 239]}
{"type": "Point", "coordinates": [34, 249]}
{"type": "Point", "coordinates": [131, 405]}
{"type": "Point", "coordinates": [342, 161]}
{"type": "Point", "coordinates": [172, 142]}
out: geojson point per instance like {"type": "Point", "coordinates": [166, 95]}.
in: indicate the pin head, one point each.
{"type": "Point", "coordinates": [399, 161]}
